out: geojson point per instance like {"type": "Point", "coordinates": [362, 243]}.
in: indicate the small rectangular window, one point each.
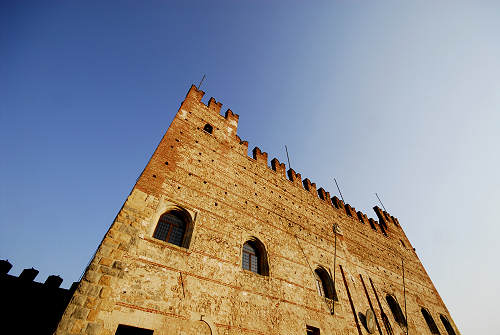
{"type": "Point", "coordinates": [130, 330]}
{"type": "Point", "coordinates": [310, 330]}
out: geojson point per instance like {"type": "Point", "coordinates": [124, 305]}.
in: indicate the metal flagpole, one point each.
{"type": "Point", "coordinates": [338, 188]}
{"type": "Point", "coordinates": [289, 165]}
{"type": "Point", "coordinates": [201, 81]}
{"type": "Point", "coordinates": [334, 267]}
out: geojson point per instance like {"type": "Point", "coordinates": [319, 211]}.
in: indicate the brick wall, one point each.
{"type": "Point", "coordinates": [135, 279]}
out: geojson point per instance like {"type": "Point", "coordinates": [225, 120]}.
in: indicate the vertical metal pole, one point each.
{"type": "Point", "coordinates": [381, 202]}
{"type": "Point", "coordinates": [404, 294]}
{"type": "Point", "coordinates": [201, 81]}
{"type": "Point", "coordinates": [338, 188]}
{"type": "Point", "coordinates": [289, 165]}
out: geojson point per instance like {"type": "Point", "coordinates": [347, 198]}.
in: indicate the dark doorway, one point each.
{"type": "Point", "coordinates": [129, 330]}
{"type": "Point", "coordinates": [310, 330]}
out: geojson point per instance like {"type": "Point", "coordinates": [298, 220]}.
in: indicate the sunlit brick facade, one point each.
{"type": "Point", "coordinates": [174, 261]}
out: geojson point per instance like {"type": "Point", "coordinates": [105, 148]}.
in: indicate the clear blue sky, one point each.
{"type": "Point", "coordinates": [395, 97]}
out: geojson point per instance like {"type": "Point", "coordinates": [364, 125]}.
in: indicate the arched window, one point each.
{"type": "Point", "coordinates": [324, 284]}
{"type": "Point", "coordinates": [254, 257]}
{"type": "Point", "coordinates": [172, 228]}
{"type": "Point", "coordinates": [396, 310]}
{"type": "Point", "coordinates": [430, 321]}
{"type": "Point", "coordinates": [447, 325]}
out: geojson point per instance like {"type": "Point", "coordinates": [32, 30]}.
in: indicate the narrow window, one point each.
{"type": "Point", "coordinates": [430, 321]}
{"type": "Point", "coordinates": [254, 257]}
{"type": "Point", "coordinates": [171, 228]}
{"type": "Point", "coordinates": [387, 324]}
{"type": "Point", "coordinates": [208, 128]}
{"type": "Point", "coordinates": [447, 325]}
{"type": "Point", "coordinates": [250, 258]}
{"type": "Point", "coordinates": [129, 330]}
{"type": "Point", "coordinates": [396, 310]}
{"type": "Point", "coordinates": [324, 284]}
{"type": "Point", "coordinates": [310, 330]}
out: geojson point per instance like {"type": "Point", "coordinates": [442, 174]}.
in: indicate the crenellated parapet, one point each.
{"type": "Point", "coordinates": [214, 106]}
{"type": "Point", "coordinates": [324, 195]}
{"type": "Point", "coordinates": [278, 167]}
{"type": "Point", "coordinates": [311, 187]}
{"type": "Point", "coordinates": [231, 119]}
{"type": "Point", "coordinates": [259, 156]}
{"type": "Point", "coordinates": [294, 177]}
{"type": "Point", "coordinates": [194, 97]}
{"type": "Point", "coordinates": [339, 204]}
{"type": "Point", "coordinates": [351, 211]}
{"type": "Point", "coordinates": [28, 276]}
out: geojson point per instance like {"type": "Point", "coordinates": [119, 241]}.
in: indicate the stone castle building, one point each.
{"type": "Point", "coordinates": [212, 241]}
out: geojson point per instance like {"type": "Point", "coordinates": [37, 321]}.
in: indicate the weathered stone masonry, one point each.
{"type": "Point", "coordinates": [228, 199]}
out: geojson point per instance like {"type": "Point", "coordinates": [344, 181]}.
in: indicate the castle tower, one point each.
{"type": "Point", "coordinates": [212, 241]}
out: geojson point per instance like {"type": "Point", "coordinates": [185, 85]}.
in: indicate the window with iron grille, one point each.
{"type": "Point", "coordinates": [171, 228]}
{"type": "Point", "coordinates": [250, 258]}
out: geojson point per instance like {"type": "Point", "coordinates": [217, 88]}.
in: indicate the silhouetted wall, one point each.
{"type": "Point", "coordinates": [29, 307]}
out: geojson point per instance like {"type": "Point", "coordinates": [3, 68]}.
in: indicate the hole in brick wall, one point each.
{"type": "Point", "coordinates": [256, 206]}
{"type": "Point", "coordinates": [215, 204]}
{"type": "Point", "coordinates": [212, 160]}
{"type": "Point", "coordinates": [154, 176]}
{"type": "Point", "coordinates": [225, 192]}
{"type": "Point", "coordinates": [204, 182]}
{"type": "Point", "coordinates": [196, 141]}
{"type": "Point", "coordinates": [178, 187]}
{"type": "Point", "coordinates": [172, 146]}
{"type": "Point", "coordinates": [176, 140]}
{"type": "Point", "coordinates": [199, 160]}
{"type": "Point", "coordinates": [199, 153]}
{"type": "Point", "coordinates": [208, 128]}
{"type": "Point", "coordinates": [166, 163]}
{"type": "Point", "coordinates": [190, 174]}
{"type": "Point", "coordinates": [181, 132]}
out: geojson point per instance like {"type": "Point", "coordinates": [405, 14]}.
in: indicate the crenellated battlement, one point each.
{"type": "Point", "coordinates": [278, 167]}
{"type": "Point", "coordinates": [194, 97]}
{"type": "Point", "coordinates": [385, 222]}
{"type": "Point", "coordinates": [28, 276]}
{"type": "Point", "coordinates": [259, 156]}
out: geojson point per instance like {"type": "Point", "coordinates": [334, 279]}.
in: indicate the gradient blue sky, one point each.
{"type": "Point", "coordinates": [395, 97]}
